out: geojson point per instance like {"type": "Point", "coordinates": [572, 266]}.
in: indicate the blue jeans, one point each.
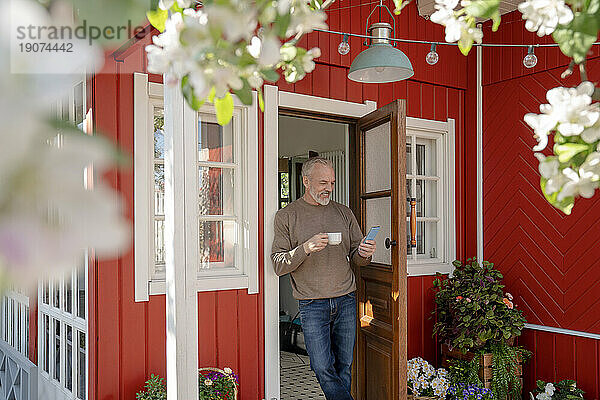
{"type": "Point", "coordinates": [329, 327]}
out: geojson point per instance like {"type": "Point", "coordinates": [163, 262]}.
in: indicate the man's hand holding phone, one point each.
{"type": "Point", "coordinates": [316, 243]}
{"type": "Point", "coordinates": [368, 246]}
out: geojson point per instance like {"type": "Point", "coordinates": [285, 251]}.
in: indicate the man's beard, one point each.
{"type": "Point", "coordinates": [316, 197]}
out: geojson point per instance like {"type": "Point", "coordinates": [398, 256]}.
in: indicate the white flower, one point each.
{"type": "Point", "coordinates": [578, 184]}
{"type": "Point", "coordinates": [544, 15]}
{"type": "Point", "coordinates": [304, 20]}
{"type": "Point", "coordinates": [549, 389]}
{"type": "Point", "coordinates": [166, 4]}
{"type": "Point", "coordinates": [592, 165]}
{"type": "Point", "coordinates": [548, 168]}
{"type": "Point", "coordinates": [570, 111]}
{"type": "Point", "coordinates": [237, 24]}
{"type": "Point", "coordinates": [543, 396]}
{"type": "Point", "coordinates": [208, 382]}
{"type": "Point", "coordinates": [227, 370]}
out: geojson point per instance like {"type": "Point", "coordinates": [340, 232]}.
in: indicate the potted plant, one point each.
{"type": "Point", "coordinates": [564, 390]}
{"type": "Point", "coordinates": [476, 321]}
{"type": "Point", "coordinates": [425, 382]}
{"type": "Point", "coordinates": [213, 384]}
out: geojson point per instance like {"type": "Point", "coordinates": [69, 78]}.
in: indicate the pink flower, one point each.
{"type": "Point", "coordinates": [468, 300]}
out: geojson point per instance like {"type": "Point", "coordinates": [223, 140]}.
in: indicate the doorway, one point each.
{"type": "Point", "coordinates": [302, 137]}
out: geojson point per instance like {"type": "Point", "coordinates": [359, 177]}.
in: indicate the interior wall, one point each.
{"type": "Point", "coordinates": [549, 260]}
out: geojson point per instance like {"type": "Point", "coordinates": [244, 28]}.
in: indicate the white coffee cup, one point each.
{"type": "Point", "coordinates": [334, 237]}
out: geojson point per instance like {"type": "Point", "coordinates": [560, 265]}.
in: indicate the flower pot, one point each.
{"type": "Point", "coordinates": [485, 364]}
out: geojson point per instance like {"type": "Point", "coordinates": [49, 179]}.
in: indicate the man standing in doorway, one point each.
{"type": "Point", "coordinates": [321, 274]}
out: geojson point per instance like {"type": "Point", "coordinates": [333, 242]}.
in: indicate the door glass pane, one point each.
{"type": "Point", "coordinates": [56, 289]}
{"type": "Point", "coordinates": [159, 244]}
{"type": "Point", "coordinates": [426, 157]}
{"type": "Point", "coordinates": [408, 195]}
{"type": "Point", "coordinates": [426, 198]}
{"type": "Point", "coordinates": [217, 244]}
{"type": "Point", "coordinates": [215, 191]}
{"type": "Point", "coordinates": [378, 161]}
{"type": "Point", "coordinates": [159, 134]}
{"type": "Point", "coordinates": [46, 293]}
{"type": "Point", "coordinates": [379, 213]}
{"type": "Point", "coordinates": [215, 142]}
{"type": "Point", "coordinates": [69, 358]}
{"type": "Point", "coordinates": [408, 246]}
{"type": "Point", "coordinates": [81, 365]}
{"type": "Point", "coordinates": [427, 240]}
{"type": "Point", "coordinates": [159, 189]}
{"type": "Point", "coordinates": [18, 340]}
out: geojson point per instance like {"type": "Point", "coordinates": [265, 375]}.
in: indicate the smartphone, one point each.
{"type": "Point", "coordinates": [372, 233]}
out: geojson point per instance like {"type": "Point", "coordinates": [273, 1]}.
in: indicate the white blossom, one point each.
{"type": "Point", "coordinates": [543, 16]}
{"type": "Point", "coordinates": [591, 165]}
{"type": "Point", "coordinates": [456, 28]}
{"type": "Point", "coordinates": [578, 184]}
{"type": "Point", "coordinates": [167, 4]}
{"type": "Point", "coordinates": [570, 111]}
{"type": "Point", "coordinates": [549, 389]}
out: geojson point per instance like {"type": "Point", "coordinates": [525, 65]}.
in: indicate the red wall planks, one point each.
{"type": "Point", "coordinates": [548, 259]}
{"type": "Point", "coordinates": [130, 337]}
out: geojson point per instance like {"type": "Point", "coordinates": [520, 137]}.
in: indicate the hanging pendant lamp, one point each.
{"type": "Point", "coordinates": [381, 62]}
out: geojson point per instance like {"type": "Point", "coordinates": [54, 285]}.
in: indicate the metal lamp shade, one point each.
{"type": "Point", "coordinates": [380, 63]}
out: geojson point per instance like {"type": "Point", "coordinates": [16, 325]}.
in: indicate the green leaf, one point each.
{"type": "Point", "coordinates": [465, 48]}
{"type": "Point", "coordinates": [282, 23]}
{"type": "Point", "coordinates": [569, 150]}
{"type": "Point", "coordinates": [398, 6]}
{"type": "Point", "coordinates": [245, 93]}
{"type": "Point", "coordinates": [211, 95]}
{"type": "Point", "coordinates": [496, 18]}
{"type": "Point", "coordinates": [261, 100]}
{"type": "Point", "coordinates": [188, 93]}
{"type": "Point", "coordinates": [270, 75]}
{"type": "Point", "coordinates": [576, 38]}
{"type": "Point", "coordinates": [224, 109]}
{"type": "Point", "coordinates": [482, 8]}
{"type": "Point", "coordinates": [158, 18]}
{"type": "Point", "coordinates": [566, 205]}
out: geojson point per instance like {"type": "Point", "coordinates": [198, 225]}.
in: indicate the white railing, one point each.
{"type": "Point", "coordinates": [18, 375]}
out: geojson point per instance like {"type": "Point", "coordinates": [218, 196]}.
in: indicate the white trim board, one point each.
{"type": "Point", "coordinates": [480, 253]}
{"type": "Point", "coordinates": [562, 331]}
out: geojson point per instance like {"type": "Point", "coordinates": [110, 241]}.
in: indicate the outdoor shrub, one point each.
{"type": "Point", "coordinates": [215, 385]}
{"type": "Point", "coordinates": [472, 310]}
{"type": "Point", "coordinates": [155, 389]}
{"type": "Point", "coordinates": [564, 390]}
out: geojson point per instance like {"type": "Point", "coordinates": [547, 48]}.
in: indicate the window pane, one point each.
{"type": "Point", "coordinates": [159, 136]}
{"type": "Point", "coordinates": [159, 243]}
{"type": "Point", "coordinates": [159, 189]}
{"type": "Point", "coordinates": [408, 246]}
{"type": "Point", "coordinates": [215, 142]}
{"type": "Point", "coordinates": [78, 111]}
{"type": "Point", "coordinates": [56, 293]}
{"type": "Point", "coordinates": [426, 157]}
{"type": "Point", "coordinates": [19, 324]}
{"type": "Point", "coordinates": [46, 330]}
{"type": "Point", "coordinates": [81, 292]}
{"type": "Point", "coordinates": [68, 294]}
{"type": "Point", "coordinates": [426, 198]}
{"type": "Point", "coordinates": [215, 191]}
{"type": "Point", "coordinates": [427, 240]}
{"type": "Point", "coordinates": [26, 351]}
{"type": "Point", "coordinates": [57, 350]}
{"type": "Point", "coordinates": [408, 157]}
{"type": "Point", "coordinates": [81, 365]}
{"type": "Point", "coordinates": [11, 326]}
{"type": "Point", "coordinates": [69, 358]}
{"type": "Point", "coordinates": [217, 244]}
{"type": "Point", "coordinates": [46, 293]}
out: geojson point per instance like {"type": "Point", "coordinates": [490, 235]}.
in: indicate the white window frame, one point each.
{"type": "Point", "coordinates": [13, 301]}
{"type": "Point", "coordinates": [78, 325]}
{"type": "Point", "coordinates": [147, 96]}
{"type": "Point", "coordinates": [443, 134]}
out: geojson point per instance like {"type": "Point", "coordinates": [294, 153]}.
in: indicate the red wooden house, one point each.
{"type": "Point", "coordinates": [100, 333]}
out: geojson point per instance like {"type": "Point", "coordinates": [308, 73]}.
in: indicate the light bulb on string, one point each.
{"type": "Point", "coordinates": [530, 60]}
{"type": "Point", "coordinates": [432, 57]}
{"type": "Point", "coordinates": [344, 46]}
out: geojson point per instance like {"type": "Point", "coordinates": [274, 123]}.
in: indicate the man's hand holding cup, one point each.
{"type": "Point", "coordinates": [316, 243]}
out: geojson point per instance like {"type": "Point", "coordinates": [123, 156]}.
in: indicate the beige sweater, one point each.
{"type": "Point", "coordinates": [322, 274]}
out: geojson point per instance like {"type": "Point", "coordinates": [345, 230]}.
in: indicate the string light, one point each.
{"type": "Point", "coordinates": [344, 47]}
{"type": "Point", "coordinates": [530, 60]}
{"type": "Point", "coordinates": [432, 57]}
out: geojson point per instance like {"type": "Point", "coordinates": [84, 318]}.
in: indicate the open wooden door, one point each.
{"type": "Point", "coordinates": [380, 188]}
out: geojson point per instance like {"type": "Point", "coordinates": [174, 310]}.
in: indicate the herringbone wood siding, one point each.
{"type": "Point", "coordinates": [550, 261]}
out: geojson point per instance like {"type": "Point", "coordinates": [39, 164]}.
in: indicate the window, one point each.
{"type": "Point", "coordinates": [430, 181]}
{"type": "Point", "coordinates": [62, 337]}
{"type": "Point", "coordinates": [62, 300]}
{"type": "Point", "coordinates": [15, 320]}
{"type": "Point", "coordinates": [220, 195]}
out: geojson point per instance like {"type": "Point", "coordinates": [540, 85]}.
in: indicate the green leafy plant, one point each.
{"type": "Point", "coordinates": [506, 380]}
{"type": "Point", "coordinates": [465, 372]}
{"type": "Point", "coordinates": [217, 385]}
{"type": "Point", "coordinates": [155, 389]}
{"type": "Point", "coordinates": [472, 311]}
{"type": "Point", "coordinates": [564, 390]}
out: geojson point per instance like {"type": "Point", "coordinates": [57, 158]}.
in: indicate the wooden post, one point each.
{"type": "Point", "coordinates": [182, 298]}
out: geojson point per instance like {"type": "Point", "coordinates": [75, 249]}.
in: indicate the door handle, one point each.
{"type": "Point", "coordinates": [413, 222]}
{"type": "Point", "coordinates": [389, 243]}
